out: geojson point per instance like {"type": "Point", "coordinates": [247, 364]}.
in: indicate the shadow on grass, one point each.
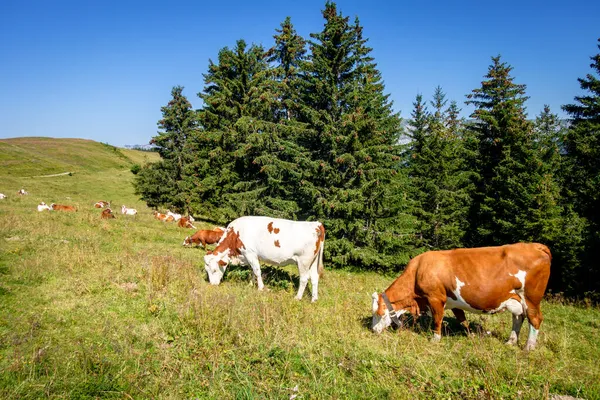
{"type": "Point", "coordinates": [275, 278]}
{"type": "Point", "coordinates": [424, 324]}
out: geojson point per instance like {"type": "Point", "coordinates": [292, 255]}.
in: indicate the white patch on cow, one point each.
{"type": "Point", "coordinates": [2, 196]}
{"type": "Point", "coordinates": [460, 302]}
{"type": "Point", "coordinates": [436, 337]}
{"type": "Point", "coordinates": [520, 275]}
{"type": "Point", "coordinates": [514, 306]}
{"type": "Point", "coordinates": [381, 322]}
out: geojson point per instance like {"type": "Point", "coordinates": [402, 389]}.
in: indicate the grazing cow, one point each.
{"type": "Point", "coordinates": [205, 237]}
{"type": "Point", "coordinates": [102, 204]}
{"type": "Point", "coordinates": [481, 280]}
{"type": "Point", "coordinates": [22, 192]}
{"type": "Point", "coordinates": [250, 240]}
{"type": "Point", "coordinates": [128, 211]}
{"type": "Point", "coordinates": [60, 207]}
{"type": "Point", "coordinates": [185, 223]}
{"type": "Point", "coordinates": [2, 196]}
{"type": "Point", "coordinates": [107, 214]}
{"type": "Point", "coordinates": [176, 217]}
{"type": "Point", "coordinates": [43, 206]}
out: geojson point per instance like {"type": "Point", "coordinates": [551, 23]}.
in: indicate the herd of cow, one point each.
{"type": "Point", "coordinates": [484, 280]}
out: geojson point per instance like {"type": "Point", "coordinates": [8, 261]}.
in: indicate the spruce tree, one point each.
{"type": "Point", "coordinates": [352, 180]}
{"type": "Point", "coordinates": [438, 175]}
{"type": "Point", "coordinates": [162, 184]}
{"type": "Point", "coordinates": [510, 203]}
{"type": "Point", "coordinates": [582, 166]}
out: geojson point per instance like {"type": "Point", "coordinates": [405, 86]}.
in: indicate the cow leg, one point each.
{"type": "Point", "coordinates": [535, 318]}
{"type": "Point", "coordinates": [304, 275]}
{"type": "Point", "coordinates": [255, 264]}
{"type": "Point", "coordinates": [437, 310]}
{"type": "Point", "coordinates": [314, 281]}
{"type": "Point", "coordinates": [460, 316]}
{"type": "Point", "coordinates": [517, 321]}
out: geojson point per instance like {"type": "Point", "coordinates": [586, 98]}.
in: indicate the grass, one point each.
{"type": "Point", "coordinates": [119, 309]}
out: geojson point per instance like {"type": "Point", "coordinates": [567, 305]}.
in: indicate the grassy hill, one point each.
{"type": "Point", "coordinates": [33, 156]}
{"type": "Point", "coordinates": [91, 308]}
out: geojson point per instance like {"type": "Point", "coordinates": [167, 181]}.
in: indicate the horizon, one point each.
{"type": "Point", "coordinates": [103, 71]}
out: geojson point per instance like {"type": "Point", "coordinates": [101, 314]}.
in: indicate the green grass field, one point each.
{"type": "Point", "coordinates": [91, 308]}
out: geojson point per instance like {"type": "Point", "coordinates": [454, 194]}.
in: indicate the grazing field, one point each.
{"type": "Point", "coordinates": [93, 308]}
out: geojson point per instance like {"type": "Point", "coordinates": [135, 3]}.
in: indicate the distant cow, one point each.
{"type": "Point", "coordinates": [43, 206]}
{"type": "Point", "coordinates": [185, 223]}
{"type": "Point", "coordinates": [159, 216]}
{"type": "Point", "coordinates": [169, 218]}
{"type": "Point", "coordinates": [107, 214]}
{"type": "Point", "coordinates": [204, 237]}
{"type": "Point", "coordinates": [102, 204]}
{"type": "Point", "coordinates": [2, 196]}
{"type": "Point", "coordinates": [128, 211]}
{"type": "Point", "coordinates": [176, 217]}
{"type": "Point", "coordinates": [60, 207]}
{"type": "Point", "coordinates": [250, 240]}
{"type": "Point", "coordinates": [22, 192]}
{"type": "Point", "coordinates": [481, 280]}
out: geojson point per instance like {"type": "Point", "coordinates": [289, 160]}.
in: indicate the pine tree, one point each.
{"type": "Point", "coordinates": [511, 191]}
{"type": "Point", "coordinates": [439, 180]}
{"type": "Point", "coordinates": [351, 175]}
{"type": "Point", "coordinates": [582, 166]}
{"type": "Point", "coordinates": [161, 184]}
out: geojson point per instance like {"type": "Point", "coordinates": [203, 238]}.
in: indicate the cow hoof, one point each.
{"type": "Point", "coordinates": [314, 300]}
{"type": "Point", "coordinates": [298, 298]}
{"type": "Point", "coordinates": [436, 338]}
{"type": "Point", "coordinates": [529, 346]}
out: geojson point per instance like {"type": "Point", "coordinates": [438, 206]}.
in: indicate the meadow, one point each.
{"type": "Point", "coordinates": [93, 308]}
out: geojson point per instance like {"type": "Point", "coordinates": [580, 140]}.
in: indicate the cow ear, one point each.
{"type": "Point", "coordinates": [375, 297]}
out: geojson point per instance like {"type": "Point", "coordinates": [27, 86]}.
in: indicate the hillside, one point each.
{"type": "Point", "coordinates": [34, 156]}
{"type": "Point", "coordinates": [93, 308]}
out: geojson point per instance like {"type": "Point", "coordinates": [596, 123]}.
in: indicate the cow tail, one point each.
{"type": "Point", "coordinates": [320, 267]}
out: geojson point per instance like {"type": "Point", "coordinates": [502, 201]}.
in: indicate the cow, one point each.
{"type": "Point", "coordinates": [128, 211]}
{"type": "Point", "coordinates": [481, 280]}
{"type": "Point", "coordinates": [43, 206]}
{"type": "Point", "coordinates": [60, 207]}
{"type": "Point", "coordinates": [2, 196]}
{"type": "Point", "coordinates": [250, 240]}
{"type": "Point", "coordinates": [102, 204]}
{"type": "Point", "coordinates": [22, 192]}
{"type": "Point", "coordinates": [185, 223]}
{"type": "Point", "coordinates": [205, 237]}
{"type": "Point", "coordinates": [169, 218]}
{"type": "Point", "coordinates": [107, 214]}
{"type": "Point", "coordinates": [176, 217]}
{"type": "Point", "coordinates": [159, 216]}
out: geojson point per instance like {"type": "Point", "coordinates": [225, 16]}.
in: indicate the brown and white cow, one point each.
{"type": "Point", "coordinates": [102, 204]}
{"type": "Point", "coordinates": [184, 222]}
{"type": "Point", "coordinates": [128, 211]}
{"type": "Point", "coordinates": [159, 216]}
{"type": "Point", "coordinates": [2, 196]}
{"type": "Point", "coordinates": [107, 214]}
{"type": "Point", "coordinates": [481, 280]}
{"type": "Point", "coordinates": [204, 237]}
{"type": "Point", "coordinates": [61, 207]}
{"type": "Point", "coordinates": [43, 207]}
{"type": "Point", "coordinates": [250, 240]}
{"type": "Point", "coordinates": [22, 192]}
{"type": "Point", "coordinates": [175, 216]}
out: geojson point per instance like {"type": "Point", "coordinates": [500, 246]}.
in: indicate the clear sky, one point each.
{"type": "Point", "coordinates": [103, 69]}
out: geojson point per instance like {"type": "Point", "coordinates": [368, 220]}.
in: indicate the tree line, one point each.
{"type": "Point", "coordinates": [304, 130]}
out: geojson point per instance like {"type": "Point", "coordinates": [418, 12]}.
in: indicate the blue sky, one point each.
{"type": "Point", "coordinates": [101, 70]}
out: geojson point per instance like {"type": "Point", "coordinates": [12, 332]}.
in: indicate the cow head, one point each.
{"type": "Point", "coordinates": [187, 241]}
{"type": "Point", "coordinates": [381, 315]}
{"type": "Point", "coordinates": [215, 264]}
